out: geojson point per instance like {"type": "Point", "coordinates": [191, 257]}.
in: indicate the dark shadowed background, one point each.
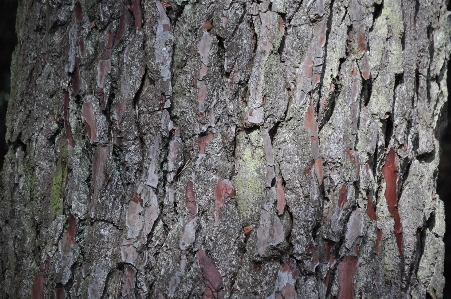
{"type": "Point", "coordinates": [7, 43]}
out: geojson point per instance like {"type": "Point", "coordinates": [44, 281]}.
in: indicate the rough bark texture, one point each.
{"type": "Point", "coordinates": [225, 149]}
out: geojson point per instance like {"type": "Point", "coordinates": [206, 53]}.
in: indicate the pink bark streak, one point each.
{"type": "Point", "coordinates": [108, 46]}
{"type": "Point", "coordinates": [98, 173]}
{"type": "Point", "coordinates": [71, 230]}
{"type": "Point", "coordinates": [59, 293]}
{"type": "Point", "coordinates": [213, 279]}
{"type": "Point", "coordinates": [378, 241]}
{"type": "Point", "coordinates": [120, 29]}
{"type": "Point", "coordinates": [342, 199]}
{"type": "Point", "coordinates": [330, 258]}
{"type": "Point", "coordinates": [137, 13]}
{"type": "Point", "coordinates": [78, 13]}
{"type": "Point", "coordinates": [37, 289]}
{"type": "Point", "coordinates": [70, 139]}
{"type": "Point", "coordinates": [190, 199]}
{"type": "Point", "coordinates": [346, 271]}
{"type": "Point", "coordinates": [281, 202]}
{"type": "Point", "coordinates": [87, 116]}
{"type": "Point", "coordinates": [76, 77]}
{"type": "Point", "coordinates": [390, 175]}
{"type": "Point", "coordinates": [312, 129]}
{"type": "Point", "coordinates": [128, 282]}
{"type": "Point", "coordinates": [204, 141]}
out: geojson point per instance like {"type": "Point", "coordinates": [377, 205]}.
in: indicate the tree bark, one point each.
{"type": "Point", "coordinates": [225, 149]}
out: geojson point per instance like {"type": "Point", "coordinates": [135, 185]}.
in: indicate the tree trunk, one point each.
{"type": "Point", "coordinates": [225, 149]}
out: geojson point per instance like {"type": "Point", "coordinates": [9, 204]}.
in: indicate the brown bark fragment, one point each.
{"type": "Point", "coordinates": [378, 241]}
{"type": "Point", "coordinates": [121, 28]}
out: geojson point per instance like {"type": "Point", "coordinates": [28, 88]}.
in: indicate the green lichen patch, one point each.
{"type": "Point", "coordinates": [250, 178]}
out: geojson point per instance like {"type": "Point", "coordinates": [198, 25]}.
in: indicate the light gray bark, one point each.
{"type": "Point", "coordinates": [225, 149]}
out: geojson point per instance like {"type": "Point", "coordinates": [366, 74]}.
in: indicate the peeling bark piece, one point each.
{"type": "Point", "coordinates": [189, 234]}
{"type": "Point", "coordinates": [204, 141]}
{"type": "Point", "coordinates": [134, 219]}
{"type": "Point", "coordinates": [281, 202]}
{"type": "Point", "coordinates": [128, 282]}
{"type": "Point", "coordinates": [343, 197]}
{"type": "Point", "coordinates": [286, 281]}
{"type": "Point", "coordinates": [87, 116]}
{"type": "Point", "coordinates": [213, 279]}
{"type": "Point", "coordinates": [76, 77]}
{"type": "Point", "coordinates": [37, 289]}
{"type": "Point", "coordinates": [137, 13]}
{"type": "Point", "coordinates": [391, 195]}
{"type": "Point", "coordinates": [346, 272]}
{"type": "Point", "coordinates": [190, 199]}
{"type": "Point", "coordinates": [269, 233]}
{"type": "Point", "coordinates": [354, 228]}
{"type": "Point", "coordinates": [204, 47]}
{"type": "Point", "coordinates": [70, 139]}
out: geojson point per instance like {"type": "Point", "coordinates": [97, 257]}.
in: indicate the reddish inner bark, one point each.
{"type": "Point", "coordinates": [190, 199]}
{"type": "Point", "coordinates": [222, 192]}
{"type": "Point", "coordinates": [390, 175]}
{"type": "Point", "coordinates": [70, 139]}
{"type": "Point", "coordinates": [281, 202]}
{"type": "Point", "coordinates": [213, 279]}
{"type": "Point", "coordinates": [370, 211]}
{"type": "Point", "coordinates": [37, 289]}
{"type": "Point", "coordinates": [346, 272]}
{"type": "Point", "coordinates": [78, 11]}
{"type": "Point", "coordinates": [76, 77]}
{"type": "Point", "coordinates": [204, 141]}
{"type": "Point", "coordinates": [343, 198]}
